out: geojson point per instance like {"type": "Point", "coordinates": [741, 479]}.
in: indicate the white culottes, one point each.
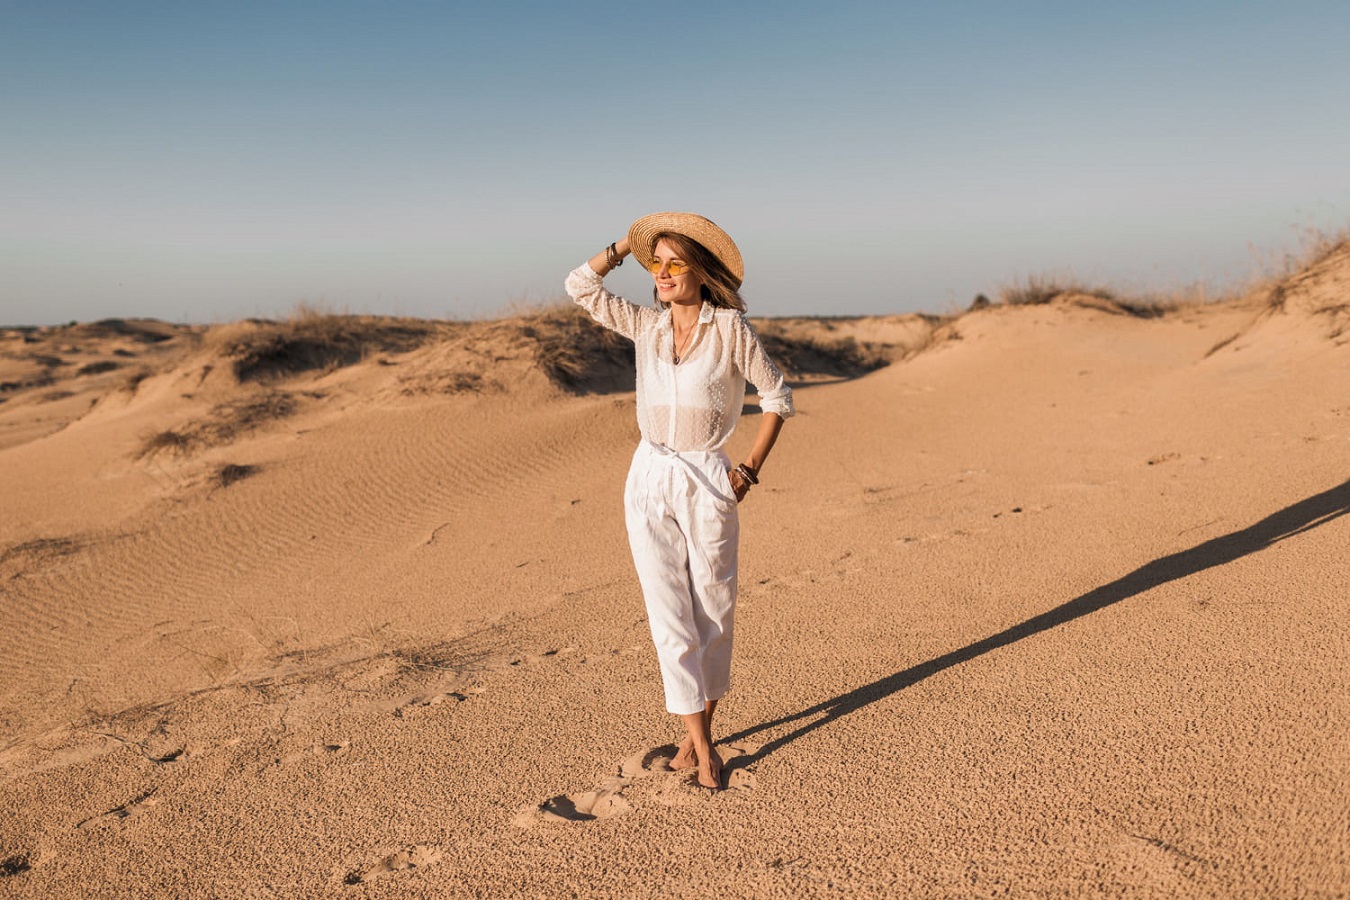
{"type": "Point", "coordinates": [683, 529]}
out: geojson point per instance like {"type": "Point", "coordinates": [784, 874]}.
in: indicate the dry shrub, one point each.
{"type": "Point", "coordinates": [98, 368]}
{"type": "Point", "coordinates": [221, 426]}
{"type": "Point", "coordinates": [1315, 248]}
{"type": "Point", "coordinates": [448, 383]}
{"type": "Point", "coordinates": [175, 442]}
{"type": "Point", "coordinates": [1040, 289]}
{"type": "Point", "coordinates": [1150, 307]}
{"type": "Point", "coordinates": [837, 358]}
{"type": "Point", "coordinates": [313, 340]}
{"type": "Point", "coordinates": [134, 379]}
{"type": "Point", "coordinates": [40, 550]}
{"type": "Point", "coordinates": [144, 331]}
{"type": "Point", "coordinates": [230, 473]}
{"type": "Point", "coordinates": [576, 353]}
{"type": "Point", "coordinates": [39, 381]}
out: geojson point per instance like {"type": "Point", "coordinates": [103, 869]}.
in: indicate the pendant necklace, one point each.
{"type": "Point", "coordinates": [679, 350]}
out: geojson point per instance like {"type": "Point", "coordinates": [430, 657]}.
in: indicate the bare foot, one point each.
{"type": "Point", "coordinates": [684, 757]}
{"type": "Point", "coordinates": [710, 770]}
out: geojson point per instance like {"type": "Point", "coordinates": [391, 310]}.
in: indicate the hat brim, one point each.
{"type": "Point", "coordinates": [642, 239]}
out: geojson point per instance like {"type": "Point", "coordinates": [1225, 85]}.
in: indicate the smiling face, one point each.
{"type": "Point", "coordinates": [682, 289]}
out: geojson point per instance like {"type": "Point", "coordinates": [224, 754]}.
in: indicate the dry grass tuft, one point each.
{"type": "Point", "coordinates": [221, 426]}
{"type": "Point", "coordinates": [134, 378]}
{"type": "Point", "coordinates": [39, 381]}
{"type": "Point", "coordinates": [230, 473]}
{"type": "Point", "coordinates": [440, 657]}
{"type": "Point", "coordinates": [1316, 248]}
{"type": "Point", "coordinates": [40, 550]}
{"type": "Point", "coordinates": [841, 357]}
{"type": "Point", "coordinates": [1040, 289]}
{"type": "Point", "coordinates": [175, 442]}
{"type": "Point", "coordinates": [1151, 307]}
{"type": "Point", "coordinates": [577, 354]}
{"type": "Point", "coordinates": [314, 340]}
{"type": "Point", "coordinates": [98, 368]}
{"type": "Point", "coordinates": [449, 383]}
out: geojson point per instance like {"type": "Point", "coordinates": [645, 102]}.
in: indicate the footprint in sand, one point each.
{"type": "Point", "coordinates": [322, 749]}
{"type": "Point", "coordinates": [414, 857]}
{"type": "Point", "coordinates": [741, 780]}
{"type": "Point", "coordinates": [605, 802]}
{"type": "Point", "coordinates": [131, 808]}
{"type": "Point", "coordinates": [646, 763]}
{"type": "Point", "coordinates": [671, 787]}
{"type": "Point", "coordinates": [421, 702]}
{"type": "Point", "coordinates": [736, 761]}
{"type": "Point", "coordinates": [15, 864]}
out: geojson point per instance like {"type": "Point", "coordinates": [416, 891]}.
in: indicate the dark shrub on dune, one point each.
{"type": "Point", "coordinates": [319, 341]}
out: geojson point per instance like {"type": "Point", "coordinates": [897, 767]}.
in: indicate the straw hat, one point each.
{"type": "Point", "coordinates": [642, 239]}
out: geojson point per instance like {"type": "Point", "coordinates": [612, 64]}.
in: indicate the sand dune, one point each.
{"type": "Point", "coordinates": [1040, 599]}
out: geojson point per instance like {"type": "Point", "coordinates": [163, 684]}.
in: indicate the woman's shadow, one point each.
{"type": "Point", "coordinates": [1302, 516]}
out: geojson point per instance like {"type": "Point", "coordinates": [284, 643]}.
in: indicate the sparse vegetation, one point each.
{"type": "Point", "coordinates": [1039, 289]}
{"type": "Point", "coordinates": [134, 379]}
{"type": "Point", "coordinates": [839, 358]}
{"type": "Point", "coordinates": [98, 368]}
{"type": "Point", "coordinates": [39, 381]}
{"type": "Point", "coordinates": [577, 354]}
{"type": "Point", "coordinates": [41, 549]}
{"type": "Point", "coordinates": [313, 340]}
{"type": "Point", "coordinates": [224, 423]}
{"type": "Point", "coordinates": [169, 441]}
{"type": "Point", "coordinates": [230, 473]}
{"type": "Point", "coordinates": [449, 383]}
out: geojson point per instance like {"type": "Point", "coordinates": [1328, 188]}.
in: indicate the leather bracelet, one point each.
{"type": "Point", "coordinates": [748, 473]}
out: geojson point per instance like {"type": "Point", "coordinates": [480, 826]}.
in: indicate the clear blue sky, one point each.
{"type": "Point", "coordinates": [208, 161]}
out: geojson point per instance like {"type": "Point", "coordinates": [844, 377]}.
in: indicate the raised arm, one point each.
{"type": "Point", "coordinates": [585, 285]}
{"type": "Point", "coordinates": [606, 260]}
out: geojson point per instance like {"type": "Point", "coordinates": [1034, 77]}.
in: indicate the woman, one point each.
{"type": "Point", "coordinates": [695, 351]}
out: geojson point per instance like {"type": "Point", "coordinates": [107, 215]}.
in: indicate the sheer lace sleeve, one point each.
{"type": "Point", "coordinates": [615, 313]}
{"type": "Point", "coordinates": [774, 394]}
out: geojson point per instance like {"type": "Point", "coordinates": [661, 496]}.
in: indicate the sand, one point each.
{"type": "Point", "coordinates": [1054, 604]}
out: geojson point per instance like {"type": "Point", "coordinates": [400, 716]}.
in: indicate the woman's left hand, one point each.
{"type": "Point", "coordinates": [738, 484]}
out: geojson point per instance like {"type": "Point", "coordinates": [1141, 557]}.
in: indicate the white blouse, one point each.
{"type": "Point", "coordinates": [693, 405]}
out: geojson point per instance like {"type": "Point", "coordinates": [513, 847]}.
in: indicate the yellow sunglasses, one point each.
{"type": "Point", "coordinates": [672, 268]}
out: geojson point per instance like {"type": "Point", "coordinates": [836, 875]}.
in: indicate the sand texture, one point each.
{"type": "Point", "coordinates": [1056, 603]}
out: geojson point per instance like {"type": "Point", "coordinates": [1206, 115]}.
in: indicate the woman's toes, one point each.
{"type": "Point", "coordinates": [684, 757]}
{"type": "Point", "coordinates": [710, 773]}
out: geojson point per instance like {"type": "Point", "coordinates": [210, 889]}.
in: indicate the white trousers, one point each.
{"type": "Point", "coordinates": [683, 529]}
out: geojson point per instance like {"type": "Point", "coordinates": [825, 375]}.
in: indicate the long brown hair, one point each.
{"type": "Point", "coordinates": [719, 285]}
